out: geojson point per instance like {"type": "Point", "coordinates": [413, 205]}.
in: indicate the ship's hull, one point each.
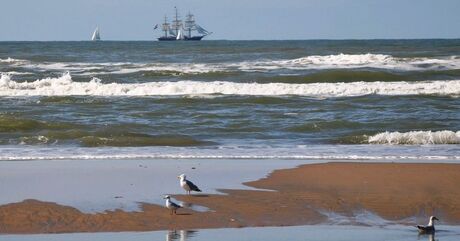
{"type": "Point", "coordinates": [167, 39]}
{"type": "Point", "coordinates": [194, 38]}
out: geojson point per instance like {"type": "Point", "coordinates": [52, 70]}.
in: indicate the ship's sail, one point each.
{"type": "Point", "coordinates": [96, 35]}
{"type": "Point", "coordinates": [201, 30]}
{"type": "Point", "coordinates": [180, 35]}
{"type": "Point", "coordinates": [171, 32]}
{"type": "Point", "coordinates": [176, 24]}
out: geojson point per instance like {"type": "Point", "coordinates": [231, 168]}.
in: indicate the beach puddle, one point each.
{"type": "Point", "coordinates": [103, 185]}
{"type": "Point", "coordinates": [294, 233]}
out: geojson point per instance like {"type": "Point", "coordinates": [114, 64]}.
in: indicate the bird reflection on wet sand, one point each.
{"type": "Point", "coordinates": [181, 235]}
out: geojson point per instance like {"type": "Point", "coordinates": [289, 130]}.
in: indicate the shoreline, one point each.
{"type": "Point", "coordinates": [286, 197]}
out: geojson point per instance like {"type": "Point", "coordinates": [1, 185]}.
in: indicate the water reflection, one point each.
{"type": "Point", "coordinates": [429, 236]}
{"type": "Point", "coordinates": [194, 207]}
{"type": "Point", "coordinates": [181, 235]}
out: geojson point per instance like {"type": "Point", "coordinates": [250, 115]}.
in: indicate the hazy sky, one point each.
{"type": "Point", "coordinates": [232, 19]}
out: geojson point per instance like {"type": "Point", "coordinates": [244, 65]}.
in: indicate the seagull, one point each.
{"type": "Point", "coordinates": [187, 185]}
{"type": "Point", "coordinates": [171, 205]}
{"type": "Point", "coordinates": [428, 229]}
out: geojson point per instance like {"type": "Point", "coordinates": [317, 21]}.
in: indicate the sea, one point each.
{"type": "Point", "coordinates": [378, 100]}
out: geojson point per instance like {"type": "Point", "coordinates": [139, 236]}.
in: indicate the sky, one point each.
{"type": "Point", "coordinates": [62, 20]}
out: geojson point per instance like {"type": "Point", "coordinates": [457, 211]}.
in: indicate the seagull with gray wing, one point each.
{"type": "Point", "coordinates": [171, 205]}
{"type": "Point", "coordinates": [428, 229]}
{"type": "Point", "coordinates": [187, 185]}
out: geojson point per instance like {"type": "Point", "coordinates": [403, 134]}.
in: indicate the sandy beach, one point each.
{"type": "Point", "coordinates": [308, 194]}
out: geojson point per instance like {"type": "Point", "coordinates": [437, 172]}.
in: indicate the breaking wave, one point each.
{"type": "Point", "coordinates": [65, 86]}
{"type": "Point", "coordinates": [341, 61]}
{"type": "Point", "coordinates": [416, 138]}
{"type": "Point", "coordinates": [337, 61]}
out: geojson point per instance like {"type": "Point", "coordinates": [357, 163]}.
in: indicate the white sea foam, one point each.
{"type": "Point", "coordinates": [337, 61]}
{"type": "Point", "coordinates": [125, 67]}
{"type": "Point", "coordinates": [340, 61]}
{"type": "Point", "coordinates": [416, 138]}
{"type": "Point", "coordinates": [65, 86]}
{"type": "Point", "coordinates": [11, 60]}
{"type": "Point", "coordinates": [10, 73]}
{"type": "Point", "coordinates": [162, 67]}
{"type": "Point", "coordinates": [312, 153]}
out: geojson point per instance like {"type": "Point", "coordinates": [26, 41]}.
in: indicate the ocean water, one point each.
{"type": "Point", "coordinates": [332, 100]}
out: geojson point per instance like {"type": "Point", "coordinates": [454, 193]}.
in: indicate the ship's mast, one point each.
{"type": "Point", "coordinates": [190, 24]}
{"type": "Point", "coordinates": [166, 26]}
{"type": "Point", "coordinates": [177, 23]}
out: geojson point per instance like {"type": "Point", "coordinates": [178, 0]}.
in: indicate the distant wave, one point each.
{"type": "Point", "coordinates": [416, 138]}
{"type": "Point", "coordinates": [337, 61]}
{"type": "Point", "coordinates": [11, 60]}
{"type": "Point", "coordinates": [65, 86]}
{"type": "Point", "coordinates": [379, 61]}
{"type": "Point", "coordinates": [118, 67]}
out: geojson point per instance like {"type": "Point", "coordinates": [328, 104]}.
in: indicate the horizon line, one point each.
{"type": "Point", "coordinates": [312, 39]}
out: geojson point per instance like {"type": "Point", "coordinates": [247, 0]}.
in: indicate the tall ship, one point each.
{"type": "Point", "coordinates": [178, 30]}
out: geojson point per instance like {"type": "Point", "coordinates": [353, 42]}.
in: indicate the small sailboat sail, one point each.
{"type": "Point", "coordinates": [96, 35]}
{"type": "Point", "coordinates": [180, 35]}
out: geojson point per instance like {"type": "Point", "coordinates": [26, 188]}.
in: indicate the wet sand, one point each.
{"type": "Point", "coordinates": [302, 195]}
{"type": "Point", "coordinates": [292, 233]}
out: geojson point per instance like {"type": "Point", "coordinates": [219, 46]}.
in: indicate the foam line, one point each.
{"type": "Point", "coordinates": [336, 61]}
{"type": "Point", "coordinates": [65, 86]}
{"type": "Point", "coordinates": [416, 138]}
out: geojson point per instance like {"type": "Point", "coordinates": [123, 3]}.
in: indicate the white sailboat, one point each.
{"type": "Point", "coordinates": [96, 35]}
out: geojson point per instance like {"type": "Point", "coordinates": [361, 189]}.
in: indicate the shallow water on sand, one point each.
{"type": "Point", "coordinates": [109, 184]}
{"type": "Point", "coordinates": [99, 185]}
{"type": "Point", "coordinates": [296, 233]}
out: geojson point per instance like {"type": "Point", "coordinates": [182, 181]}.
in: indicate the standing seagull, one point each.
{"type": "Point", "coordinates": [171, 205]}
{"type": "Point", "coordinates": [428, 229]}
{"type": "Point", "coordinates": [187, 185]}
